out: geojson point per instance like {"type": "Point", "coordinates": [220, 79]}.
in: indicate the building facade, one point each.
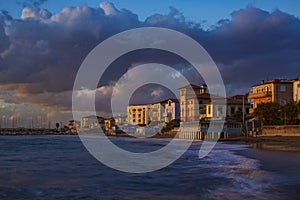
{"type": "Point", "coordinates": [172, 110]}
{"type": "Point", "coordinates": [89, 122]}
{"type": "Point", "coordinates": [296, 88]}
{"type": "Point", "coordinates": [275, 91]}
{"type": "Point", "coordinates": [162, 111]}
{"type": "Point", "coordinates": [138, 114]}
{"type": "Point", "coordinates": [192, 102]}
{"type": "Point", "coordinates": [217, 110]}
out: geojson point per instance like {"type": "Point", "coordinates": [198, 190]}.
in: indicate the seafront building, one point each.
{"type": "Point", "coordinates": [192, 102]}
{"type": "Point", "coordinates": [275, 91]}
{"type": "Point", "coordinates": [92, 122]}
{"type": "Point", "coordinates": [89, 122]}
{"type": "Point", "coordinates": [138, 114]}
{"type": "Point", "coordinates": [162, 111]}
{"type": "Point", "coordinates": [215, 109]}
{"type": "Point", "coordinates": [172, 110]}
{"type": "Point", "coordinates": [296, 88]}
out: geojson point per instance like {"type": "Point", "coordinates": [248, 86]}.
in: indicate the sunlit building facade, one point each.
{"type": "Point", "coordinates": [275, 91]}
{"type": "Point", "coordinates": [296, 88]}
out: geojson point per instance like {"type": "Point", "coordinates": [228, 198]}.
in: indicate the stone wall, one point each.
{"type": "Point", "coordinates": [289, 130]}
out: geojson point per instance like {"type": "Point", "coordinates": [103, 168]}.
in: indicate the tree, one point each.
{"type": "Point", "coordinates": [57, 125]}
{"type": "Point", "coordinates": [268, 113]}
{"type": "Point", "coordinates": [290, 113]}
{"type": "Point", "coordinates": [237, 116]}
{"type": "Point", "coordinates": [172, 124]}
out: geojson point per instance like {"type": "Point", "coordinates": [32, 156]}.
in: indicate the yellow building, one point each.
{"type": "Point", "coordinates": [296, 88]}
{"type": "Point", "coordinates": [138, 114]}
{"type": "Point", "coordinates": [276, 91]}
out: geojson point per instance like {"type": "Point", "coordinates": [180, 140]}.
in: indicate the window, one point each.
{"type": "Point", "coordinates": [209, 110]}
{"type": "Point", "coordinates": [220, 111]}
{"type": "Point", "coordinates": [282, 88]}
{"type": "Point", "coordinates": [282, 102]}
{"type": "Point", "coordinates": [267, 89]}
{"type": "Point", "coordinates": [232, 110]}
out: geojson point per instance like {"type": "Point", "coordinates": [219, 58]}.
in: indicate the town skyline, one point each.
{"type": "Point", "coordinates": [39, 82]}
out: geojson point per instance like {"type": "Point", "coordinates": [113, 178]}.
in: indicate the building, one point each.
{"type": "Point", "coordinates": [72, 126]}
{"type": "Point", "coordinates": [121, 119]}
{"type": "Point", "coordinates": [89, 122]}
{"type": "Point", "coordinates": [296, 88]}
{"type": "Point", "coordinates": [216, 109]}
{"type": "Point", "coordinates": [106, 124]}
{"type": "Point", "coordinates": [172, 110]}
{"type": "Point", "coordinates": [138, 114]}
{"type": "Point", "coordinates": [276, 91]}
{"type": "Point", "coordinates": [156, 112]}
{"type": "Point", "coordinates": [193, 100]}
{"type": "Point", "coordinates": [162, 111]}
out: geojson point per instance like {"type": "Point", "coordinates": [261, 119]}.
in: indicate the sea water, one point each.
{"type": "Point", "coordinates": [59, 167]}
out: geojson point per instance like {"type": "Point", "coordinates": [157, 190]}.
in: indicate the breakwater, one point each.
{"type": "Point", "coordinates": [33, 131]}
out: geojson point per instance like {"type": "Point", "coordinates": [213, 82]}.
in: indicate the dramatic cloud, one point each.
{"type": "Point", "coordinates": [41, 52]}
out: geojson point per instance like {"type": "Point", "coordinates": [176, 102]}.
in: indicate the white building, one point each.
{"type": "Point", "coordinates": [164, 111]}
{"type": "Point", "coordinates": [89, 122]}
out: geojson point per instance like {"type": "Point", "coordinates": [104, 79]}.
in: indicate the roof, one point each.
{"type": "Point", "coordinates": [209, 96]}
{"type": "Point", "coordinates": [192, 86]}
{"type": "Point", "coordinates": [240, 97]}
{"type": "Point", "coordinates": [166, 100]}
{"type": "Point", "coordinates": [229, 101]}
{"type": "Point", "coordinates": [295, 79]}
{"type": "Point", "coordinates": [273, 81]}
{"type": "Point", "coordinates": [138, 104]}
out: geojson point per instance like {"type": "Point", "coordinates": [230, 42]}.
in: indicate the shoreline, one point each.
{"type": "Point", "coordinates": [274, 143]}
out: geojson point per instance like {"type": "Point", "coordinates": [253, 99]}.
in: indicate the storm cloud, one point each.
{"type": "Point", "coordinates": [41, 52]}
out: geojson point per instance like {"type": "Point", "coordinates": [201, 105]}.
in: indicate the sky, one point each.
{"type": "Point", "coordinates": [43, 43]}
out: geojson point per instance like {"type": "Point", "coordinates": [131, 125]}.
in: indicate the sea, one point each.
{"type": "Point", "coordinates": [60, 167]}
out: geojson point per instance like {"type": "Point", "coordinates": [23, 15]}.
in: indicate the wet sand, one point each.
{"type": "Point", "coordinates": [277, 143]}
{"type": "Point", "coordinates": [284, 167]}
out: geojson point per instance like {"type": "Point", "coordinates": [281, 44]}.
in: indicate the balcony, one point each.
{"type": "Point", "coordinates": [255, 95]}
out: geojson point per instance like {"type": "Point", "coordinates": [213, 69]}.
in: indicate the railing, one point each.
{"type": "Point", "coordinates": [254, 95]}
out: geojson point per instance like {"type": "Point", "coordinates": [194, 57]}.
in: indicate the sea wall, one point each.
{"type": "Point", "coordinates": [288, 130]}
